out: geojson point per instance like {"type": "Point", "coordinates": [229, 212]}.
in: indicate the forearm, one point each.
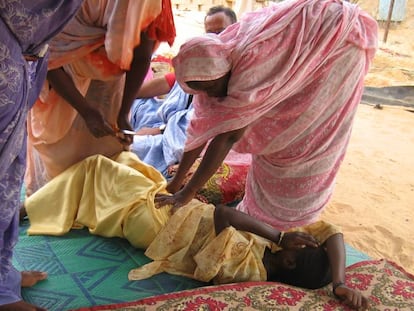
{"type": "Point", "coordinates": [336, 252]}
{"type": "Point", "coordinates": [63, 84]}
{"type": "Point", "coordinates": [155, 87]}
{"type": "Point", "coordinates": [225, 216]}
{"type": "Point", "coordinates": [136, 75]}
{"type": "Point", "coordinates": [186, 162]}
{"type": "Point", "coordinates": [216, 152]}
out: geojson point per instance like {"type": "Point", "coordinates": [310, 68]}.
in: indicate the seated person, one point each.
{"type": "Point", "coordinates": [199, 240]}
{"type": "Point", "coordinates": [151, 116]}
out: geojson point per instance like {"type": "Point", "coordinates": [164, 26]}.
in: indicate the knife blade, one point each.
{"type": "Point", "coordinates": [129, 132]}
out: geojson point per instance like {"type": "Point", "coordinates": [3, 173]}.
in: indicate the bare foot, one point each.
{"type": "Point", "coordinates": [20, 306]}
{"type": "Point", "coordinates": [30, 278]}
{"type": "Point", "coordinates": [22, 213]}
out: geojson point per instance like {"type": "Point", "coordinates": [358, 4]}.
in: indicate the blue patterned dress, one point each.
{"type": "Point", "coordinates": [25, 28]}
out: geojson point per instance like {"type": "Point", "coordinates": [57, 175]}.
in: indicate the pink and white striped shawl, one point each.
{"type": "Point", "coordinates": [297, 72]}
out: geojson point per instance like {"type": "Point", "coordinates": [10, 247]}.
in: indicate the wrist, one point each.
{"type": "Point", "coordinates": [280, 238]}
{"type": "Point", "coordinates": [162, 128]}
{"type": "Point", "coordinates": [188, 190]}
{"type": "Point", "coordinates": [335, 285]}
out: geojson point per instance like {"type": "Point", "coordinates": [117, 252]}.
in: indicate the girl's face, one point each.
{"type": "Point", "coordinates": [213, 88]}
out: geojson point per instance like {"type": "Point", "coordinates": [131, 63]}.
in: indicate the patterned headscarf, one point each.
{"type": "Point", "coordinates": [273, 55]}
{"type": "Point", "coordinates": [202, 59]}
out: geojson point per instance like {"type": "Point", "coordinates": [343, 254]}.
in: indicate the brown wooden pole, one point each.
{"type": "Point", "coordinates": [387, 25]}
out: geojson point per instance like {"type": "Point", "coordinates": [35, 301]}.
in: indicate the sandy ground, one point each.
{"type": "Point", "coordinates": [374, 196]}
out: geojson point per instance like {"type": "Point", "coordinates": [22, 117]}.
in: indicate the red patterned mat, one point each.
{"type": "Point", "coordinates": [386, 284]}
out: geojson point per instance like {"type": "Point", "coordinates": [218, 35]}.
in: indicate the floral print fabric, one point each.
{"type": "Point", "coordinates": [387, 286]}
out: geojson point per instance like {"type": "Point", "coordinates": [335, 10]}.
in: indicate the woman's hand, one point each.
{"type": "Point", "coordinates": [351, 297]}
{"type": "Point", "coordinates": [97, 124]}
{"type": "Point", "coordinates": [296, 240]}
{"type": "Point", "coordinates": [175, 200]}
{"type": "Point", "coordinates": [123, 124]}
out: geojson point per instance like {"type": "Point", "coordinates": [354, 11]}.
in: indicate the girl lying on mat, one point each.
{"type": "Point", "coordinates": [223, 245]}
{"type": "Point", "coordinates": [115, 198]}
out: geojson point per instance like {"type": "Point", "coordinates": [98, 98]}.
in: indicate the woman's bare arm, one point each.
{"type": "Point", "coordinates": [186, 162]}
{"type": "Point", "coordinates": [225, 216]}
{"type": "Point", "coordinates": [63, 84]}
{"type": "Point", "coordinates": [154, 87]}
{"type": "Point", "coordinates": [335, 247]}
{"type": "Point", "coordinates": [217, 150]}
{"type": "Point", "coordinates": [134, 79]}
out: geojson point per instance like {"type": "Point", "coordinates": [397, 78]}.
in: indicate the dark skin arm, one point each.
{"type": "Point", "coordinates": [186, 162]}
{"type": "Point", "coordinates": [97, 124]}
{"type": "Point", "coordinates": [217, 150]}
{"type": "Point", "coordinates": [133, 81]}
{"type": "Point", "coordinates": [175, 184]}
{"type": "Point", "coordinates": [63, 84]}
{"type": "Point", "coordinates": [155, 87]}
{"type": "Point", "coordinates": [225, 216]}
{"type": "Point", "coordinates": [335, 248]}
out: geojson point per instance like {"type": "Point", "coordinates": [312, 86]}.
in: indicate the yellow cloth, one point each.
{"type": "Point", "coordinates": [187, 246]}
{"type": "Point", "coordinates": [113, 198]}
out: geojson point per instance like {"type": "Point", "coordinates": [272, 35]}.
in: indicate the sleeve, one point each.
{"type": "Point", "coordinates": [170, 78]}
{"type": "Point", "coordinates": [232, 256]}
{"type": "Point", "coordinates": [126, 21]}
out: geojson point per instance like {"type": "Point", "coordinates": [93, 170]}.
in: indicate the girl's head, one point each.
{"type": "Point", "coordinates": [203, 64]}
{"type": "Point", "coordinates": [307, 267]}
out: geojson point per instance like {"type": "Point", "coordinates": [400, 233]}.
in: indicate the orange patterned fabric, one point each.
{"type": "Point", "coordinates": [95, 49]}
{"type": "Point", "coordinates": [163, 28]}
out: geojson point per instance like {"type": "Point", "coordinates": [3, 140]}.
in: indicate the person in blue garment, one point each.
{"type": "Point", "coordinates": [161, 124]}
{"type": "Point", "coordinates": [25, 27]}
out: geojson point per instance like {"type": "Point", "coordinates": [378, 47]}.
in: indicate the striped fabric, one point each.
{"type": "Point", "coordinates": [297, 71]}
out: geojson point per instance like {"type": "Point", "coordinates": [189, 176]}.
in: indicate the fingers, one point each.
{"type": "Point", "coordinates": [164, 199]}
{"type": "Point", "coordinates": [125, 139]}
{"type": "Point", "coordinates": [308, 238]}
{"type": "Point", "coordinates": [310, 241]}
{"type": "Point", "coordinates": [364, 303]}
{"type": "Point", "coordinates": [298, 240]}
{"type": "Point", "coordinates": [358, 301]}
{"type": "Point", "coordinates": [352, 298]}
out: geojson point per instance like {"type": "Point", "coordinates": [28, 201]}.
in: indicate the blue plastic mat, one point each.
{"type": "Point", "coordinates": [86, 270]}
